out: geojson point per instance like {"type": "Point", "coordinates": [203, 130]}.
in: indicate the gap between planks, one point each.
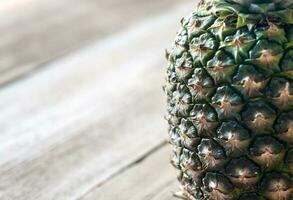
{"type": "Point", "coordinates": [152, 179]}
{"type": "Point", "coordinates": [74, 124]}
{"type": "Point", "coordinates": [135, 162]}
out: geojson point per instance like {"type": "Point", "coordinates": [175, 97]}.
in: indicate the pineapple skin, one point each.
{"type": "Point", "coordinates": [229, 89]}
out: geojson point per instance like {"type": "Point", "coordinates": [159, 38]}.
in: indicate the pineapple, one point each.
{"type": "Point", "coordinates": [230, 101]}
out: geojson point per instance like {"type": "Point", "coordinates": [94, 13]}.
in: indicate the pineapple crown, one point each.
{"type": "Point", "coordinates": [249, 11]}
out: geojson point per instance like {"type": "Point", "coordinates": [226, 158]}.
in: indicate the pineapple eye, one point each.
{"type": "Point", "coordinates": [221, 67]}
{"type": "Point", "coordinates": [211, 153]}
{"type": "Point", "coordinates": [266, 55]}
{"type": "Point", "coordinates": [276, 186]}
{"type": "Point", "coordinates": [202, 48]}
{"type": "Point", "coordinates": [200, 84]}
{"type": "Point", "coordinates": [271, 32]}
{"type": "Point", "coordinates": [259, 116]}
{"type": "Point", "coordinates": [267, 151]}
{"type": "Point", "coordinates": [234, 137]}
{"type": "Point", "coordinates": [239, 44]}
{"type": "Point", "coordinates": [218, 186]}
{"type": "Point", "coordinates": [183, 67]}
{"type": "Point", "coordinates": [204, 119]}
{"type": "Point", "coordinates": [223, 27]}
{"type": "Point", "coordinates": [249, 81]}
{"type": "Point", "coordinates": [243, 172]}
{"type": "Point", "coordinates": [227, 102]}
{"type": "Point", "coordinates": [197, 25]}
{"type": "Point", "coordinates": [284, 127]}
{"type": "Point", "coordinates": [280, 93]}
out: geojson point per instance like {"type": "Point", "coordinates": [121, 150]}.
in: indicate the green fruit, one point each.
{"type": "Point", "coordinates": [229, 88]}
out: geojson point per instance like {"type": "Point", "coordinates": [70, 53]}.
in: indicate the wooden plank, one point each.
{"type": "Point", "coordinates": [167, 193]}
{"type": "Point", "coordinates": [84, 118]}
{"type": "Point", "coordinates": [152, 179]}
{"type": "Point", "coordinates": [34, 33]}
{"type": "Point", "coordinates": [88, 158]}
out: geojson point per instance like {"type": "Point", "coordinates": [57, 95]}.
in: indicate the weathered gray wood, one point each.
{"type": "Point", "coordinates": [167, 192]}
{"type": "Point", "coordinates": [36, 32]}
{"type": "Point", "coordinates": [151, 179]}
{"type": "Point", "coordinates": [83, 119]}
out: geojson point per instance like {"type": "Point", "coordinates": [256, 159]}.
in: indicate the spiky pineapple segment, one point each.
{"type": "Point", "coordinates": [230, 105]}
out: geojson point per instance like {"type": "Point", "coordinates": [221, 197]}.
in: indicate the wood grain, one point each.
{"type": "Point", "coordinates": [83, 119]}
{"type": "Point", "coordinates": [34, 33]}
{"type": "Point", "coordinates": [151, 179]}
{"type": "Point", "coordinates": [167, 192]}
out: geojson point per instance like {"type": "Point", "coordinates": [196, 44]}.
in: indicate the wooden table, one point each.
{"type": "Point", "coordinates": [81, 104]}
